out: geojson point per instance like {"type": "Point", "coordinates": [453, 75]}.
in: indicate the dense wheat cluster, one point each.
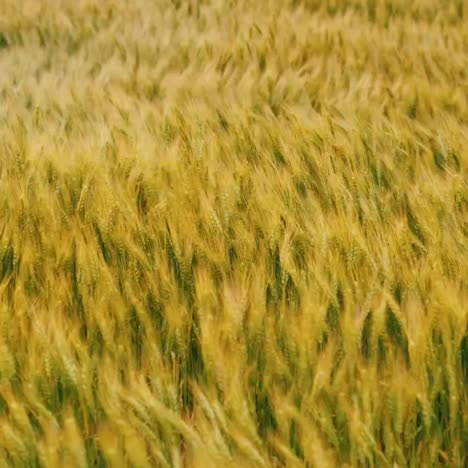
{"type": "Point", "coordinates": [233, 233]}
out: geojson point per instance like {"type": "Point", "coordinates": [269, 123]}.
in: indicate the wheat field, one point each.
{"type": "Point", "coordinates": [233, 233]}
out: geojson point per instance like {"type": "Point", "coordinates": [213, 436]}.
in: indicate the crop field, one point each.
{"type": "Point", "coordinates": [233, 233]}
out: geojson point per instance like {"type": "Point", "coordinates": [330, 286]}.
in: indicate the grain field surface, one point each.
{"type": "Point", "coordinates": [233, 233]}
